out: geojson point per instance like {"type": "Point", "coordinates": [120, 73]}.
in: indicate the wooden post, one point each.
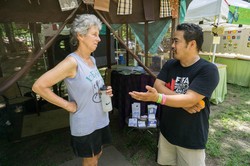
{"type": "Point", "coordinates": [146, 43]}
{"type": "Point", "coordinates": [172, 35]}
{"type": "Point", "coordinates": [108, 41]}
{"type": "Point", "coordinates": [127, 54]}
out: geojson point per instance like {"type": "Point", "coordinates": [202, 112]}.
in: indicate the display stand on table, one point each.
{"type": "Point", "coordinates": [124, 82]}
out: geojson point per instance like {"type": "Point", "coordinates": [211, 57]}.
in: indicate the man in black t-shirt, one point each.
{"type": "Point", "coordinates": [184, 87]}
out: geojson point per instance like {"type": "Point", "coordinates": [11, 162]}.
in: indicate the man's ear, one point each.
{"type": "Point", "coordinates": [192, 44]}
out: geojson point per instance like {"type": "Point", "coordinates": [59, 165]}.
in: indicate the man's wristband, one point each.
{"type": "Point", "coordinates": [164, 98]}
{"type": "Point", "coordinates": [159, 98]}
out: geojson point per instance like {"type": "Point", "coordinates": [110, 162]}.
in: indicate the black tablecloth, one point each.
{"type": "Point", "coordinates": [122, 85]}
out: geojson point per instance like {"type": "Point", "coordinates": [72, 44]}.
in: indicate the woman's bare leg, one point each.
{"type": "Point", "coordinates": [91, 161]}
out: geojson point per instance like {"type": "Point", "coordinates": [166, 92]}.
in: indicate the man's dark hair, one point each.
{"type": "Point", "coordinates": [192, 32]}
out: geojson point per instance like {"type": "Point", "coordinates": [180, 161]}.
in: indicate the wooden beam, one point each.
{"type": "Point", "coordinates": [108, 41]}
{"type": "Point", "coordinates": [146, 43]}
{"type": "Point", "coordinates": [127, 53]}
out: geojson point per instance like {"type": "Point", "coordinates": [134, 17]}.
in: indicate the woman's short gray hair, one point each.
{"type": "Point", "coordinates": [81, 25]}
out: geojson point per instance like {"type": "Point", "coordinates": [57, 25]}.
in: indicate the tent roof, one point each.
{"type": "Point", "coordinates": [239, 3]}
{"type": "Point", "coordinates": [50, 11]}
{"type": "Point", "coordinates": [207, 9]}
{"type": "Point", "coordinates": [23, 11]}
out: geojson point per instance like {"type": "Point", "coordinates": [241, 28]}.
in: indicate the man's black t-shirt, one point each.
{"type": "Point", "coordinates": [177, 125]}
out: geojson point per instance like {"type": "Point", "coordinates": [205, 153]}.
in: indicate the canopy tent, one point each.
{"type": "Point", "coordinates": [143, 10]}
{"type": "Point", "coordinates": [239, 3]}
{"type": "Point", "coordinates": [199, 10]}
{"type": "Point", "coordinates": [47, 11]}
{"type": "Point", "coordinates": [207, 10]}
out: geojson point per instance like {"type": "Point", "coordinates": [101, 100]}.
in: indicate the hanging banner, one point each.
{"type": "Point", "coordinates": [88, 2]}
{"type": "Point", "coordinates": [68, 4]}
{"type": "Point", "coordinates": [102, 5]}
{"type": "Point", "coordinates": [238, 15]}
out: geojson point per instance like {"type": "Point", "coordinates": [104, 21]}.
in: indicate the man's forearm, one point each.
{"type": "Point", "coordinates": [161, 88]}
{"type": "Point", "coordinates": [165, 90]}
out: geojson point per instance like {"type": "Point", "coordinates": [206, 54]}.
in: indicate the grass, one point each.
{"type": "Point", "coordinates": [229, 137]}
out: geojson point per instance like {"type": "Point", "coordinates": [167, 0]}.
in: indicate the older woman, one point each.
{"type": "Point", "coordinates": [89, 124]}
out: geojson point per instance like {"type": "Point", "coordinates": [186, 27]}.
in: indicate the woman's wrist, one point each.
{"type": "Point", "coordinates": [65, 105]}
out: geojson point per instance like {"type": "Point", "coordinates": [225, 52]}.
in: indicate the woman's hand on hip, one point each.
{"type": "Point", "coordinates": [71, 106]}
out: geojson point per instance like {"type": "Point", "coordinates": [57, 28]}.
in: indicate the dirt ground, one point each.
{"type": "Point", "coordinates": [53, 148]}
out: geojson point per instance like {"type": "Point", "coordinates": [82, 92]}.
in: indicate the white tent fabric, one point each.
{"type": "Point", "coordinates": [199, 10]}
{"type": "Point", "coordinates": [239, 3]}
{"type": "Point", "coordinates": [206, 10]}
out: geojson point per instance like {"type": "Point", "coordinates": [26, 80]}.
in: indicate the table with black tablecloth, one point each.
{"type": "Point", "coordinates": [122, 84]}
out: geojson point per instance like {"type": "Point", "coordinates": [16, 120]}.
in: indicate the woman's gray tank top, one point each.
{"type": "Point", "coordinates": [83, 89]}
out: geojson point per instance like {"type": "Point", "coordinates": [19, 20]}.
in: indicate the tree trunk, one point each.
{"type": "Point", "coordinates": [35, 29]}
{"type": "Point", "coordinates": [10, 34]}
{"type": "Point", "coordinates": [2, 51]}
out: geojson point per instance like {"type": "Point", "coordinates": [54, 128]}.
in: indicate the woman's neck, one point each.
{"type": "Point", "coordinates": [82, 53]}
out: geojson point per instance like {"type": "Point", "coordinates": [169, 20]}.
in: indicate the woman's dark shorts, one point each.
{"type": "Point", "coordinates": [91, 145]}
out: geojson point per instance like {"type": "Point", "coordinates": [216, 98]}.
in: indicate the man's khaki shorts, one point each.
{"type": "Point", "coordinates": [169, 154]}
